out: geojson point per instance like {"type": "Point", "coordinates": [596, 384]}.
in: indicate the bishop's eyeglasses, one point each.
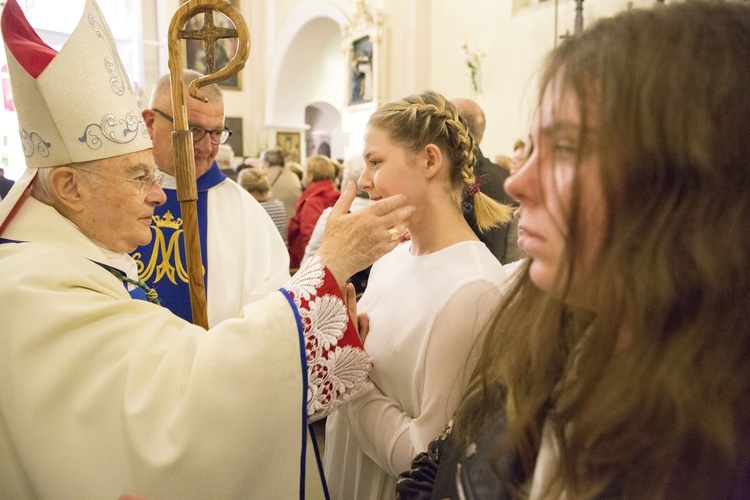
{"type": "Point", "coordinates": [215, 136]}
{"type": "Point", "coordinates": [144, 182]}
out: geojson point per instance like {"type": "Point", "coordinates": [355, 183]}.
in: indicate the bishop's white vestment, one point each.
{"type": "Point", "coordinates": [101, 394]}
{"type": "Point", "coordinates": [243, 255]}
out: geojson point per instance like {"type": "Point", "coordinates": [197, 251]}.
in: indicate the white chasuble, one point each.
{"type": "Point", "coordinates": [101, 394]}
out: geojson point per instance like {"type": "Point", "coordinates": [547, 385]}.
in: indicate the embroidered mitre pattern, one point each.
{"type": "Point", "coordinates": [337, 363]}
{"type": "Point", "coordinates": [74, 105]}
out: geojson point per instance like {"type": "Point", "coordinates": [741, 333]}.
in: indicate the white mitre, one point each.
{"type": "Point", "coordinates": [73, 106]}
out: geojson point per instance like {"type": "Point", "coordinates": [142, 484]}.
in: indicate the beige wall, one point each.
{"type": "Point", "coordinates": [515, 45]}
{"type": "Point", "coordinates": [423, 42]}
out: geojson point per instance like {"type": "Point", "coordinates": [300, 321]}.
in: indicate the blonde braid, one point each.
{"type": "Point", "coordinates": [456, 140]}
{"type": "Point", "coordinates": [488, 212]}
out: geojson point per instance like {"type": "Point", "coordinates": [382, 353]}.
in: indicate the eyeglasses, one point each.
{"type": "Point", "coordinates": [144, 182]}
{"type": "Point", "coordinates": [215, 136]}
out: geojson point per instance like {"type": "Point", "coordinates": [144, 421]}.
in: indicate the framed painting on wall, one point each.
{"type": "Point", "coordinates": [224, 48]}
{"type": "Point", "coordinates": [289, 143]}
{"type": "Point", "coordinates": [362, 39]}
{"type": "Point", "coordinates": [235, 140]}
{"type": "Point", "coordinates": [360, 67]}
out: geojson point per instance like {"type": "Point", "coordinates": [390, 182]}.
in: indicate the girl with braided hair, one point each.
{"type": "Point", "coordinates": [426, 302]}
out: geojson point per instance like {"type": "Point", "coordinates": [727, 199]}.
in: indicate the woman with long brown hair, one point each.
{"type": "Point", "coordinates": [619, 365]}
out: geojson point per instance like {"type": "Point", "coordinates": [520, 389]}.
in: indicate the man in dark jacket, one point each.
{"type": "Point", "coordinates": [5, 184]}
{"type": "Point", "coordinates": [491, 178]}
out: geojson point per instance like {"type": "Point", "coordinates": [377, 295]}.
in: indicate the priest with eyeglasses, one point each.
{"type": "Point", "coordinates": [241, 249]}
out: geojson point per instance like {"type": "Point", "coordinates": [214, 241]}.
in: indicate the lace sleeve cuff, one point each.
{"type": "Point", "coordinates": [337, 364]}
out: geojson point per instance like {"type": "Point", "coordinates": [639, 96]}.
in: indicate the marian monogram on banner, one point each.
{"type": "Point", "coordinates": [166, 259]}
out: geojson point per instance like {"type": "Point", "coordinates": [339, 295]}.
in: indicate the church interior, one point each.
{"type": "Point", "coordinates": [317, 69]}
{"type": "Point", "coordinates": [569, 324]}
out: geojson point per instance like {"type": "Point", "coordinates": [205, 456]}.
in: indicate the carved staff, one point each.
{"type": "Point", "coordinates": [182, 139]}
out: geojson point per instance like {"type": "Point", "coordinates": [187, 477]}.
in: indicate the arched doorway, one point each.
{"type": "Point", "coordinates": [324, 134]}
{"type": "Point", "coordinates": [307, 77]}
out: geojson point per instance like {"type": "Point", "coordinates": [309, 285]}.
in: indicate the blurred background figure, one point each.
{"type": "Point", "coordinates": [519, 149]}
{"type": "Point", "coordinates": [295, 168]}
{"type": "Point", "coordinates": [284, 182]}
{"type": "Point", "coordinates": [256, 183]}
{"type": "Point", "coordinates": [319, 194]}
{"type": "Point", "coordinates": [513, 252]}
{"type": "Point", "coordinates": [225, 161]}
{"type": "Point", "coordinates": [353, 168]}
{"type": "Point", "coordinates": [338, 171]}
{"type": "Point", "coordinates": [504, 162]}
{"type": "Point", "coordinates": [5, 184]}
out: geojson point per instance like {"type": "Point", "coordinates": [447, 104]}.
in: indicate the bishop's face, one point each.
{"type": "Point", "coordinates": [116, 213]}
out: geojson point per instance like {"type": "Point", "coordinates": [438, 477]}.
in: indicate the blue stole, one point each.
{"type": "Point", "coordinates": [162, 264]}
{"type": "Point", "coordinates": [137, 293]}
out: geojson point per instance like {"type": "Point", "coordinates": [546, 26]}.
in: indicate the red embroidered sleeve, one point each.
{"type": "Point", "coordinates": [337, 364]}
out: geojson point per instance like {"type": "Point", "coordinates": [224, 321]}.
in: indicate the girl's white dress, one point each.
{"type": "Point", "coordinates": [426, 316]}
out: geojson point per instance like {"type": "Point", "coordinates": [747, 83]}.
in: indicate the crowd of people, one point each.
{"type": "Point", "coordinates": [570, 321]}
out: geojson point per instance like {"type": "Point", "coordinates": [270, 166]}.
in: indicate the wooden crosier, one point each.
{"type": "Point", "coordinates": [182, 139]}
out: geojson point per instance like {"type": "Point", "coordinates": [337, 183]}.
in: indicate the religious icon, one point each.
{"type": "Point", "coordinates": [362, 42]}
{"type": "Point", "coordinates": [289, 144]}
{"type": "Point", "coordinates": [361, 71]}
{"type": "Point", "coordinates": [224, 48]}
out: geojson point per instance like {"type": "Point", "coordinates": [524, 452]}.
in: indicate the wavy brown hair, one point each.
{"type": "Point", "coordinates": [429, 118]}
{"type": "Point", "coordinates": [650, 395]}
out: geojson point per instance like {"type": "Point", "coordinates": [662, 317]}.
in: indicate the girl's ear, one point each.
{"type": "Point", "coordinates": [434, 160]}
{"type": "Point", "coordinates": [65, 185]}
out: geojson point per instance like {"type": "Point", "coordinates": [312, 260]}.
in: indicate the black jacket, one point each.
{"type": "Point", "coordinates": [5, 185]}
